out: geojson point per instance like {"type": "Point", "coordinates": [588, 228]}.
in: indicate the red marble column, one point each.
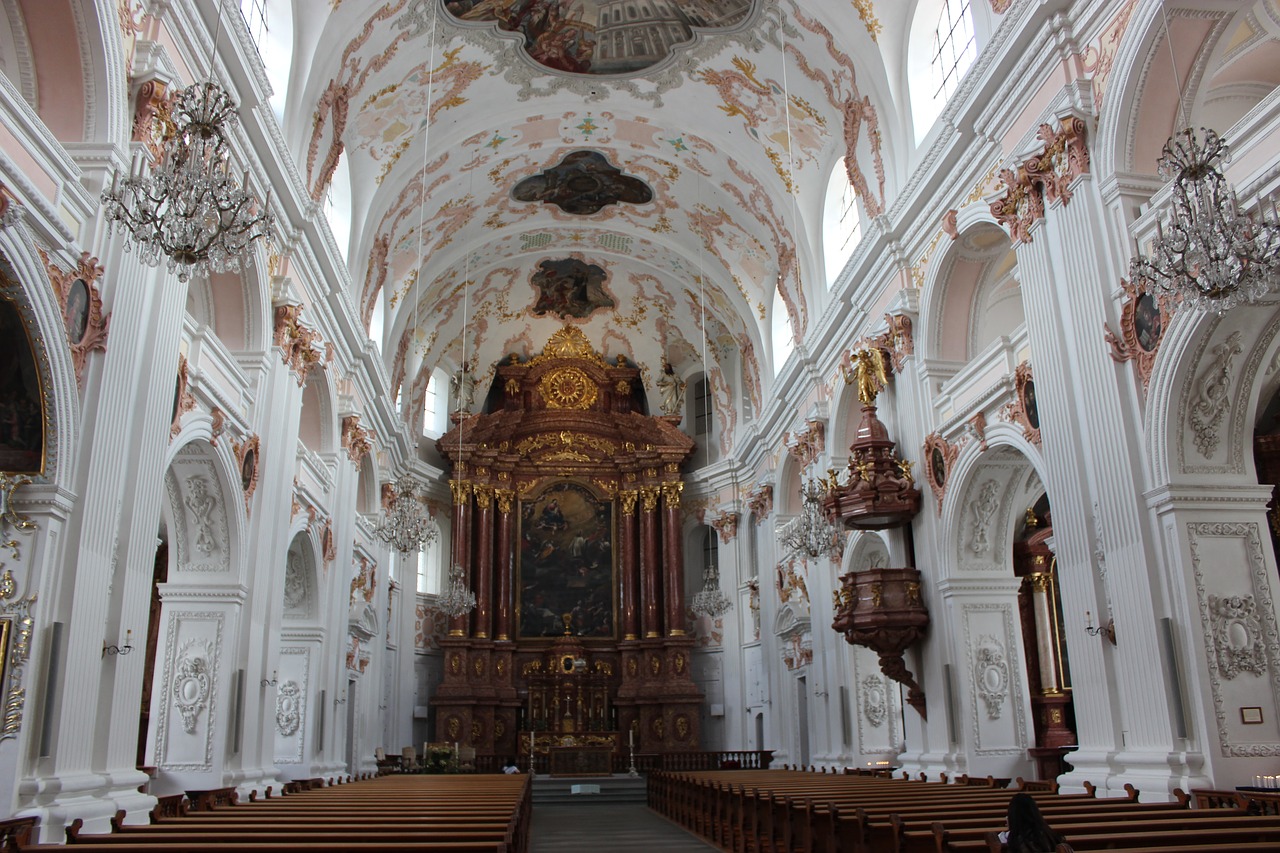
{"type": "Point", "coordinates": [650, 560]}
{"type": "Point", "coordinates": [504, 563]}
{"type": "Point", "coordinates": [483, 614]}
{"type": "Point", "coordinates": [628, 589]}
{"type": "Point", "coordinates": [461, 546]}
{"type": "Point", "coordinates": [672, 560]}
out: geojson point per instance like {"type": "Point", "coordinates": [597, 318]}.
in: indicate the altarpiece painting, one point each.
{"type": "Point", "coordinates": [566, 564]}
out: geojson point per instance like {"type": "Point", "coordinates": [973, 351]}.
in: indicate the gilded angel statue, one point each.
{"type": "Point", "coordinates": [867, 367]}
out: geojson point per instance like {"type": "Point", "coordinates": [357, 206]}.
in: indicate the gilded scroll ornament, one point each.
{"type": "Point", "coordinates": [505, 499]}
{"type": "Point", "coordinates": [461, 491]}
{"type": "Point", "coordinates": [569, 342]}
{"type": "Point", "coordinates": [565, 439]}
{"type": "Point", "coordinates": [568, 388]}
{"type": "Point", "coordinates": [649, 498]}
{"type": "Point", "coordinates": [16, 629]}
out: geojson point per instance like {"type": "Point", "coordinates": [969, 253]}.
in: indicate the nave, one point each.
{"type": "Point", "coordinates": [743, 811]}
{"type": "Point", "coordinates": [801, 389]}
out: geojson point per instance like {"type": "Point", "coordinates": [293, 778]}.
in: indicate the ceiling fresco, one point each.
{"type": "Point", "coordinates": [695, 186]}
{"type": "Point", "coordinates": [581, 184]}
{"type": "Point", "coordinates": [605, 37]}
{"type": "Point", "coordinates": [569, 288]}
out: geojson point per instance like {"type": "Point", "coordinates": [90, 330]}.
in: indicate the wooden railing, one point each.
{"type": "Point", "coordinates": [647, 762]}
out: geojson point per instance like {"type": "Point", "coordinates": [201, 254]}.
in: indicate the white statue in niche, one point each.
{"type": "Point", "coordinates": [670, 390]}
{"type": "Point", "coordinates": [463, 388]}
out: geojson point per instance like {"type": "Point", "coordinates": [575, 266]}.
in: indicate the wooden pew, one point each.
{"type": "Point", "coordinates": [385, 813]}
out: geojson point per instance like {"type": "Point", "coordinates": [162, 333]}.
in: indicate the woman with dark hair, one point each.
{"type": "Point", "coordinates": [1028, 832]}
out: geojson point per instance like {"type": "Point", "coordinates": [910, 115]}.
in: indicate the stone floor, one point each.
{"type": "Point", "coordinates": [604, 828]}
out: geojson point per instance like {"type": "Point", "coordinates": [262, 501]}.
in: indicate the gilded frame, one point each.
{"type": "Point", "coordinates": [6, 631]}
{"type": "Point", "coordinates": [9, 293]}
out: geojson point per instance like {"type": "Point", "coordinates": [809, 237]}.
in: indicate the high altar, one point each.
{"type": "Point", "coordinates": [567, 521]}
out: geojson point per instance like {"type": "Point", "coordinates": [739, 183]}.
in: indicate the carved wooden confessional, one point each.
{"type": "Point", "coordinates": [567, 522]}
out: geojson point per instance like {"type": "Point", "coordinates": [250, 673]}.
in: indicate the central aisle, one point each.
{"type": "Point", "coordinates": [605, 814]}
{"type": "Point", "coordinates": [613, 827]}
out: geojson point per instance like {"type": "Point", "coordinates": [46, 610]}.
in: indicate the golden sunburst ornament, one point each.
{"type": "Point", "coordinates": [568, 388]}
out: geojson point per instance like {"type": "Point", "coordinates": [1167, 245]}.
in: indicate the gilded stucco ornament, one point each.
{"type": "Point", "coordinates": [16, 629]}
{"type": "Point", "coordinates": [568, 388]}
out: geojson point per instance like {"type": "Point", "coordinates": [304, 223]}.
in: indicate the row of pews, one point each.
{"type": "Point", "coordinates": [786, 811]}
{"type": "Point", "coordinates": [420, 813]}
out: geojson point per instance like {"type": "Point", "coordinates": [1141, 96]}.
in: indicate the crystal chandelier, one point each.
{"type": "Point", "coordinates": [811, 532]}
{"type": "Point", "coordinates": [457, 600]}
{"type": "Point", "coordinates": [710, 601]}
{"type": "Point", "coordinates": [1211, 255]}
{"type": "Point", "coordinates": [407, 526]}
{"type": "Point", "coordinates": [190, 208]}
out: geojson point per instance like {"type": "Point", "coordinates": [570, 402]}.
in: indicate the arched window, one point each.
{"type": "Point", "coordinates": [433, 406]}
{"type": "Point", "coordinates": [270, 24]}
{"type": "Point", "coordinates": [430, 570]}
{"type": "Point", "coordinates": [337, 206]}
{"type": "Point", "coordinates": [710, 551]}
{"type": "Point", "coordinates": [255, 15]}
{"type": "Point", "coordinates": [954, 47]}
{"type": "Point", "coordinates": [699, 420]}
{"type": "Point", "coordinates": [783, 341]}
{"type": "Point", "coordinates": [702, 407]}
{"type": "Point", "coordinates": [841, 222]}
{"type": "Point", "coordinates": [942, 46]}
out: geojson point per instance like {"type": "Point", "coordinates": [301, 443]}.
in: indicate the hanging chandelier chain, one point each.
{"type": "Point", "coordinates": [407, 525]}
{"type": "Point", "coordinates": [1209, 255]}
{"type": "Point", "coordinates": [189, 208]}
{"type": "Point", "coordinates": [811, 532]}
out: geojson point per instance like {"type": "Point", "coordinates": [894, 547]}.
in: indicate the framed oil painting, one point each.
{"type": "Point", "coordinates": [566, 566]}
{"type": "Point", "coordinates": [21, 401]}
{"type": "Point", "coordinates": [76, 313]}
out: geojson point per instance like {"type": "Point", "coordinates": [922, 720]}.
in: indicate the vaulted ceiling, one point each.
{"type": "Point", "coordinates": [451, 123]}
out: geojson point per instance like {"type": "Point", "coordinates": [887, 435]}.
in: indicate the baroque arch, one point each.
{"type": "Point", "coordinates": [974, 286]}
{"type": "Point", "coordinates": [1205, 403]}
{"type": "Point", "coordinates": [24, 284]}
{"type": "Point", "coordinates": [301, 589]}
{"type": "Point", "coordinates": [983, 501]}
{"type": "Point", "coordinates": [205, 510]}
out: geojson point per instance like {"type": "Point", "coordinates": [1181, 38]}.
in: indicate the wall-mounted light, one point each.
{"type": "Point", "coordinates": [273, 680]}
{"type": "Point", "coordinates": [108, 649]}
{"type": "Point", "coordinates": [1108, 630]}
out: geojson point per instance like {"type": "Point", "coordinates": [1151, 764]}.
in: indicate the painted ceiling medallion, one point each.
{"type": "Point", "coordinates": [569, 288]}
{"type": "Point", "coordinates": [600, 37]}
{"type": "Point", "coordinates": [583, 183]}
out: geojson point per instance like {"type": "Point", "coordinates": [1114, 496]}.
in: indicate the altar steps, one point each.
{"type": "Point", "coordinates": [613, 790]}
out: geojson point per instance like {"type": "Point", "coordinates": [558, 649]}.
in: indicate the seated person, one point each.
{"type": "Point", "coordinates": [1028, 832]}
{"type": "Point", "coordinates": [509, 766]}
